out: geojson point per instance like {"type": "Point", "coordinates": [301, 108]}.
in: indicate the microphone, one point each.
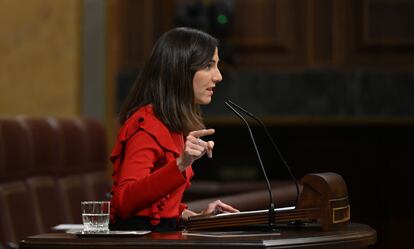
{"type": "Point", "coordinates": [275, 147]}
{"type": "Point", "coordinates": [272, 218]}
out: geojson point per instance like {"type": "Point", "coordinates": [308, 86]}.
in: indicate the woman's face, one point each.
{"type": "Point", "coordinates": [205, 80]}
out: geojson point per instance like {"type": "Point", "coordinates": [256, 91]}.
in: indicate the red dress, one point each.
{"type": "Point", "coordinates": [146, 179]}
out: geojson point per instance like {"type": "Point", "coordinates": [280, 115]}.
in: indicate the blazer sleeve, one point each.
{"type": "Point", "coordinates": [139, 184]}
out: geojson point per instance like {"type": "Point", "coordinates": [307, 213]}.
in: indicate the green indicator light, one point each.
{"type": "Point", "coordinates": [222, 19]}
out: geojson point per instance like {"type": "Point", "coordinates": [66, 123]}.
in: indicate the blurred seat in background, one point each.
{"type": "Point", "coordinates": [19, 217]}
{"type": "Point", "coordinates": [47, 158]}
{"type": "Point", "coordinates": [71, 183]}
{"type": "Point", "coordinates": [47, 167]}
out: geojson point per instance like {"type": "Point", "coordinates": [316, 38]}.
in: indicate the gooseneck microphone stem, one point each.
{"type": "Point", "coordinates": [275, 147]}
{"type": "Point", "coordinates": [272, 218]}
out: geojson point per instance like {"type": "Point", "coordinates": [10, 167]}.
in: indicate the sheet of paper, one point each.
{"type": "Point", "coordinates": [65, 227]}
{"type": "Point", "coordinates": [258, 211]}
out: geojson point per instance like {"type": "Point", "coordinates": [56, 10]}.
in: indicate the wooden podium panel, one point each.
{"type": "Point", "coordinates": [353, 236]}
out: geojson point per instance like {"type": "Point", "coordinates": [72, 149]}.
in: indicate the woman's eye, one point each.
{"type": "Point", "coordinates": [209, 66]}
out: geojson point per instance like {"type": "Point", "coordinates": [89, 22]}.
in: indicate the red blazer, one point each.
{"type": "Point", "coordinates": [146, 179]}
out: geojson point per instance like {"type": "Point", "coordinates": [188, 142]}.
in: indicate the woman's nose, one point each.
{"type": "Point", "coordinates": [217, 76]}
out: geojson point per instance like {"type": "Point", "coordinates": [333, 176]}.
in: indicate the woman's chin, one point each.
{"type": "Point", "coordinates": [204, 101]}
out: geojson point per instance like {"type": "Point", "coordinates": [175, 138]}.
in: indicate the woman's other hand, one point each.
{"type": "Point", "coordinates": [195, 148]}
{"type": "Point", "coordinates": [218, 207]}
{"type": "Point", "coordinates": [213, 208]}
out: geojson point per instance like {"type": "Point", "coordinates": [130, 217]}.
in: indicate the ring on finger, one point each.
{"type": "Point", "coordinates": [199, 141]}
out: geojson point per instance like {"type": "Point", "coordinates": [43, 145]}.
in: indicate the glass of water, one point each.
{"type": "Point", "coordinates": [95, 216]}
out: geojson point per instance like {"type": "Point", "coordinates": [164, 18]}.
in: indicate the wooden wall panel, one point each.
{"type": "Point", "coordinates": [379, 33]}
{"type": "Point", "coordinates": [388, 23]}
{"type": "Point", "coordinates": [137, 23]}
{"type": "Point", "coordinates": [257, 26]}
{"type": "Point", "coordinates": [268, 34]}
{"type": "Point", "coordinates": [319, 25]}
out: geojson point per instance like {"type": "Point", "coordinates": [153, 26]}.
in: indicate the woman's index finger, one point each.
{"type": "Point", "coordinates": [202, 133]}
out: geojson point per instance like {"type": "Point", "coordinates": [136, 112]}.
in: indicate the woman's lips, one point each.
{"type": "Point", "coordinates": [210, 90]}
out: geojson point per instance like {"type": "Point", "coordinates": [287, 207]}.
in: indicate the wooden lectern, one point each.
{"type": "Point", "coordinates": [323, 198]}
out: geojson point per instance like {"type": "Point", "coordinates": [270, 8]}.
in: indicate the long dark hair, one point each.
{"type": "Point", "coordinates": [166, 80]}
